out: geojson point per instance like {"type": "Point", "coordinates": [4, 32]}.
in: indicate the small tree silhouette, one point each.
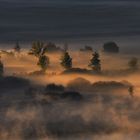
{"type": "Point", "coordinates": [37, 49]}
{"type": "Point", "coordinates": [17, 48]}
{"type": "Point", "coordinates": [43, 62]}
{"type": "Point", "coordinates": [95, 62]}
{"type": "Point", "coordinates": [1, 68]}
{"type": "Point", "coordinates": [131, 91]}
{"type": "Point", "coordinates": [66, 60]}
{"type": "Point", "coordinates": [133, 63]}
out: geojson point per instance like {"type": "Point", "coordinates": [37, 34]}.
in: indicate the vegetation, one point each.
{"type": "Point", "coordinates": [87, 49]}
{"type": "Point", "coordinates": [66, 61]}
{"type": "Point", "coordinates": [17, 48]}
{"type": "Point", "coordinates": [131, 91]}
{"type": "Point", "coordinates": [1, 68]}
{"type": "Point", "coordinates": [43, 62]}
{"type": "Point", "coordinates": [54, 88]}
{"type": "Point", "coordinates": [111, 47]}
{"type": "Point", "coordinates": [37, 49]}
{"type": "Point", "coordinates": [95, 62]}
{"type": "Point", "coordinates": [133, 63]}
{"type": "Point", "coordinates": [51, 47]}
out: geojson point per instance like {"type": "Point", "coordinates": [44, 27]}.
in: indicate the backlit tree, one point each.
{"type": "Point", "coordinates": [43, 62]}
{"type": "Point", "coordinates": [37, 49]}
{"type": "Point", "coordinates": [95, 62]}
{"type": "Point", "coordinates": [66, 60]}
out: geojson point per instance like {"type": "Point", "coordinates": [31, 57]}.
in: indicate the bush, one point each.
{"type": "Point", "coordinates": [51, 47]}
{"type": "Point", "coordinates": [133, 63]}
{"type": "Point", "coordinates": [71, 95]}
{"type": "Point", "coordinates": [43, 62]}
{"type": "Point", "coordinates": [66, 61]}
{"type": "Point", "coordinates": [54, 88]}
{"type": "Point", "coordinates": [111, 47]}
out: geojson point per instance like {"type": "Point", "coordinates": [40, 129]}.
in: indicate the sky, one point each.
{"type": "Point", "coordinates": [70, 20]}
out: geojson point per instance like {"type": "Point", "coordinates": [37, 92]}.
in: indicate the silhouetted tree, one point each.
{"type": "Point", "coordinates": [1, 68]}
{"type": "Point", "coordinates": [111, 47]}
{"type": "Point", "coordinates": [37, 49]}
{"type": "Point", "coordinates": [131, 91]}
{"type": "Point", "coordinates": [17, 48]}
{"type": "Point", "coordinates": [43, 62]}
{"type": "Point", "coordinates": [133, 63]}
{"type": "Point", "coordinates": [95, 62]}
{"type": "Point", "coordinates": [66, 60]}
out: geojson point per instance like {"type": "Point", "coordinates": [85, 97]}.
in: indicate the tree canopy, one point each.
{"type": "Point", "coordinates": [37, 49]}
{"type": "Point", "coordinates": [133, 63]}
{"type": "Point", "coordinates": [66, 60]}
{"type": "Point", "coordinates": [95, 62]}
{"type": "Point", "coordinates": [1, 68]}
{"type": "Point", "coordinates": [111, 47]}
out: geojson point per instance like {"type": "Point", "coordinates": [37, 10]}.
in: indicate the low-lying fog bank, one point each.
{"type": "Point", "coordinates": [114, 68]}
{"type": "Point", "coordinates": [75, 106]}
{"type": "Point", "coordinates": [79, 110]}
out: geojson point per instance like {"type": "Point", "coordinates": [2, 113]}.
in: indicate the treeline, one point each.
{"type": "Point", "coordinates": [39, 50]}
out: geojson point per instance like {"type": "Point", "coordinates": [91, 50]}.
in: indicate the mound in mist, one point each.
{"type": "Point", "coordinates": [36, 116]}
{"type": "Point", "coordinates": [99, 86]}
{"type": "Point", "coordinates": [12, 83]}
{"type": "Point", "coordinates": [79, 109]}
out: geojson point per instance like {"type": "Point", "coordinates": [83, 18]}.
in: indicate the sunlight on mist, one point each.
{"type": "Point", "coordinates": [106, 111]}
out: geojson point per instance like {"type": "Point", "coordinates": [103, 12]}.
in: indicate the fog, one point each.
{"type": "Point", "coordinates": [76, 106]}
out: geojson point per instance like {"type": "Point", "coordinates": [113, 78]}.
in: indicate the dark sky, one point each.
{"type": "Point", "coordinates": [28, 20]}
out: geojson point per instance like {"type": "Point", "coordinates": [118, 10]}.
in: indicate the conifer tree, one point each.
{"type": "Point", "coordinates": [43, 62]}
{"type": "Point", "coordinates": [95, 62]}
{"type": "Point", "coordinates": [66, 60]}
{"type": "Point", "coordinates": [1, 68]}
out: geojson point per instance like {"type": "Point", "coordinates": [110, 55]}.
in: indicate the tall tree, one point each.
{"type": "Point", "coordinates": [95, 62]}
{"type": "Point", "coordinates": [66, 60]}
{"type": "Point", "coordinates": [43, 62]}
{"type": "Point", "coordinates": [37, 49]}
